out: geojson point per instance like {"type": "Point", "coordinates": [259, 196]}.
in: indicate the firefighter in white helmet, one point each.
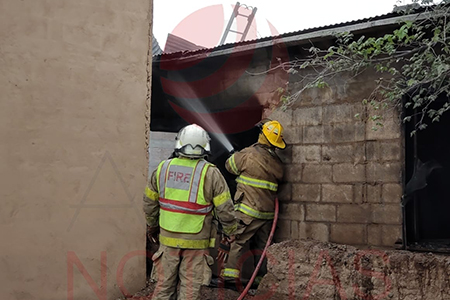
{"type": "Point", "coordinates": [181, 199]}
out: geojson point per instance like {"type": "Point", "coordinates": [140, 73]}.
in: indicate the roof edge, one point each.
{"type": "Point", "coordinates": [290, 38]}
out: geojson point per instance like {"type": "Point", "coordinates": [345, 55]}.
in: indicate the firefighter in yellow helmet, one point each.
{"type": "Point", "coordinates": [259, 171]}
{"type": "Point", "coordinates": [181, 199]}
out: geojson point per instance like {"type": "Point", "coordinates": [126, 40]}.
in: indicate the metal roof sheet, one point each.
{"type": "Point", "coordinates": [156, 49]}
{"type": "Point", "coordinates": [175, 44]}
{"type": "Point", "coordinates": [395, 16]}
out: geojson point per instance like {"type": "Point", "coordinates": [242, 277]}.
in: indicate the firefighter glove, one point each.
{"type": "Point", "coordinates": [152, 234]}
{"type": "Point", "coordinates": [223, 251]}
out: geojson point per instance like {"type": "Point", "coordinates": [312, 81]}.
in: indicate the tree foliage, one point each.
{"type": "Point", "coordinates": [413, 63]}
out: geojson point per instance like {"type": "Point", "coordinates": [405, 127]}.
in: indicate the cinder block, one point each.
{"type": "Point", "coordinates": [317, 173]}
{"type": "Point", "coordinates": [339, 113]}
{"type": "Point", "coordinates": [339, 153]}
{"type": "Point", "coordinates": [360, 153]}
{"type": "Point", "coordinates": [348, 132]}
{"type": "Point", "coordinates": [306, 153]}
{"type": "Point", "coordinates": [294, 234]}
{"type": "Point", "coordinates": [308, 116]}
{"type": "Point", "coordinates": [285, 192]}
{"type": "Point", "coordinates": [293, 172]}
{"type": "Point", "coordinates": [384, 150]}
{"type": "Point", "coordinates": [391, 150]}
{"type": "Point", "coordinates": [383, 235]}
{"type": "Point", "coordinates": [372, 150]}
{"type": "Point", "coordinates": [293, 135]}
{"type": "Point", "coordinates": [391, 193]}
{"type": "Point", "coordinates": [284, 117]}
{"type": "Point", "coordinates": [391, 128]}
{"type": "Point", "coordinates": [354, 213]}
{"type": "Point", "coordinates": [337, 193]}
{"type": "Point", "coordinates": [316, 231]}
{"type": "Point", "coordinates": [386, 214]}
{"type": "Point", "coordinates": [359, 193]}
{"type": "Point", "coordinates": [374, 235]}
{"type": "Point", "coordinates": [352, 234]}
{"type": "Point", "coordinates": [306, 192]}
{"type": "Point", "coordinates": [374, 193]}
{"type": "Point", "coordinates": [292, 211]}
{"type": "Point", "coordinates": [390, 234]}
{"type": "Point", "coordinates": [283, 230]}
{"type": "Point", "coordinates": [317, 134]}
{"type": "Point", "coordinates": [347, 172]}
{"type": "Point", "coordinates": [384, 172]}
{"type": "Point", "coordinates": [313, 96]}
{"type": "Point", "coordinates": [320, 212]}
{"type": "Point", "coordinates": [286, 154]}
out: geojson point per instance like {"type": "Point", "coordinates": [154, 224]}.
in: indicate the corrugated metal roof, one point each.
{"type": "Point", "coordinates": [175, 44]}
{"type": "Point", "coordinates": [287, 35]}
{"type": "Point", "coordinates": [156, 49]}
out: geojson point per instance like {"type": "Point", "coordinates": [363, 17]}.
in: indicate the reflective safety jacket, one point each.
{"type": "Point", "coordinates": [182, 196]}
{"type": "Point", "coordinates": [259, 171]}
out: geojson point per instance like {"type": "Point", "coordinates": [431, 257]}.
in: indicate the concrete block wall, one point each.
{"type": "Point", "coordinates": [343, 179]}
{"type": "Point", "coordinates": [73, 99]}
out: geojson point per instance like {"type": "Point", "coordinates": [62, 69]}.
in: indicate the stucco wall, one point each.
{"type": "Point", "coordinates": [73, 89]}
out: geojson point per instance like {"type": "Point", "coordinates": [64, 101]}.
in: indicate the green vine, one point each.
{"type": "Point", "coordinates": [413, 63]}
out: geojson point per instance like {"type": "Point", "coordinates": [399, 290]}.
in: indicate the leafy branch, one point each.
{"type": "Point", "coordinates": [413, 63]}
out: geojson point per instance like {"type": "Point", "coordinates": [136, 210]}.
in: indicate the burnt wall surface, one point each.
{"type": "Point", "coordinates": [73, 90]}
{"type": "Point", "coordinates": [343, 179]}
{"type": "Point", "coordinates": [316, 270]}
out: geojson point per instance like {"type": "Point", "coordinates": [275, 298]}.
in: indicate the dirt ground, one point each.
{"type": "Point", "coordinates": [206, 294]}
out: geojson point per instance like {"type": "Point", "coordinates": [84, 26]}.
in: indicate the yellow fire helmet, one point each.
{"type": "Point", "coordinates": [273, 131]}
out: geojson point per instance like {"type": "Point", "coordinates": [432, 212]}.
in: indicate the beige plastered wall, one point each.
{"type": "Point", "coordinates": [74, 112]}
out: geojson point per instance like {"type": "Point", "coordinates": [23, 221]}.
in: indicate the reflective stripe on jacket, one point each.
{"type": "Point", "coordinates": [262, 184]}
{"type": "Point", "coordinates": [253, 212]}
{"type": "Point", "coordinates": [183, 205]}
{"type": "Point", "coordinates": [259, 170]}
{"type": "Point", "coordinates": [187, 244]}
{"type": "Point", "coordinates": [215, 191]}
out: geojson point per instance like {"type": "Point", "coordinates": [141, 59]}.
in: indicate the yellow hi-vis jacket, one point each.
{"type": "Point", "coordinates": [259, 171]}
{"type": "Point", "coordinates": [182, 196]}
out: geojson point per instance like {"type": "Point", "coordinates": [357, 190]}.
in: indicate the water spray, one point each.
{"type": "Point", "coordinates": [224, 141]}
{"type": "Point", "coordinates": [206, 120]}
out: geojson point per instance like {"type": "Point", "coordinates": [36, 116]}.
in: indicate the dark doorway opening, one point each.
{"type": "Point", "coordinates": [428, 211]}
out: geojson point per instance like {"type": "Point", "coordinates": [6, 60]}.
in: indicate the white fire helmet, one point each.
{"type": "Point", "coordinates": [192, 141]}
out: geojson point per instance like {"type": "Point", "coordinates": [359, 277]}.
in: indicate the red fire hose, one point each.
{"type": "Point", "coordinates": [263, 255]}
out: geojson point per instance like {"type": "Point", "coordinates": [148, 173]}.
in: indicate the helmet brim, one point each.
{"type": "Point", "coordinates": [281, 145]}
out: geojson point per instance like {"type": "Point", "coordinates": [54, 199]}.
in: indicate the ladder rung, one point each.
{"type": "Point", "coordinates": [234, 16]}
